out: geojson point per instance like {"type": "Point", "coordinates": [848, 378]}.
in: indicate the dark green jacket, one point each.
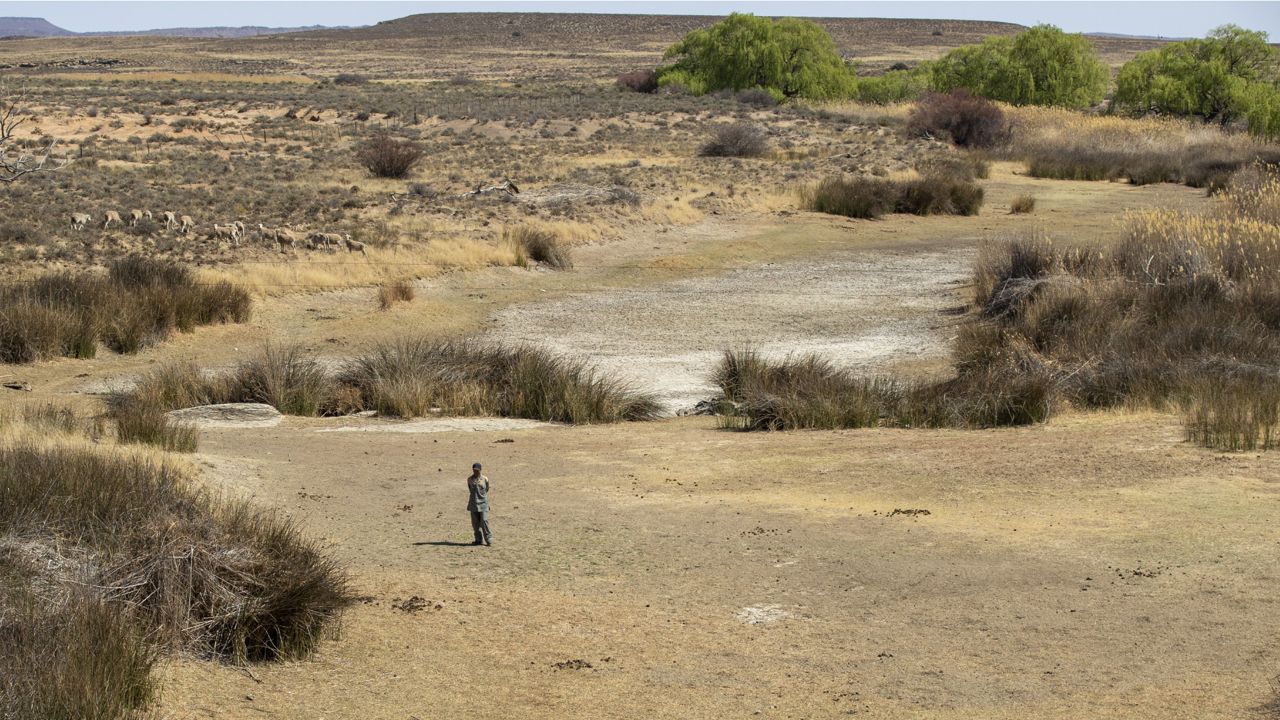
{"type": "Point", "coordinates": [478, 487]}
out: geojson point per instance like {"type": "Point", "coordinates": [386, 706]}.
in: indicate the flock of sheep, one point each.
{"type": "Point", "coordinates": [284, 237]}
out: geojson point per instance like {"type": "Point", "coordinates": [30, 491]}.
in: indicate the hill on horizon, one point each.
{"type": "Point", "coordinates": [39, 27]}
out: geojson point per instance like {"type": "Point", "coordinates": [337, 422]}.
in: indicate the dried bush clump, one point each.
{"type": "Point", "coordinates": [968, 120]}
{"type": "Point", "coordinates": [641, 81]}
{"type": "Point", "coordinates": [387, 157]}
{"type": "Point", "coordinates": [736, 140]}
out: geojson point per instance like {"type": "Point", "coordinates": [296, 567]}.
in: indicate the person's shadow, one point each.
{"type": "Point", "coordinates": [446, 543]}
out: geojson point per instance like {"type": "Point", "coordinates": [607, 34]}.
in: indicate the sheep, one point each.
{"type": "Point", "coordinates": [239, 226]}
{"type": "Point", "coordinates": [286, 238]}
{"type": "Point", "coordinates": [330, 241]}
{"type": "Point", "coordinates": [283, 237]}
{"type": "Point", "coordinates": [227, 232]}
{"type": "Point", "coordinates": [186, 223]}
{"type": "Point", "coordinates": [170, 220]}
{"type": "Point", "coordinates": [353, 245]}
{"type": "Point", "coordinates": [111, 216]}
{"type": "Point", "coordinates": [79, 220]}
{"type": "Point", "coordinates": [136, 215]}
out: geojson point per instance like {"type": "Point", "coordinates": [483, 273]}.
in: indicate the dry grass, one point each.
{"type": "Point", "coordinates": [138, 303]}
{"type": "Point", "coordinates": [288, 275]}
{"type": "Point", "coordinates": [394, 291]}
{"type": "Point", "coordinates": [406, 378]}
{"type": "Point", "coordinates": [1022, 205]}
{"type": "Point", "coordinates": [1072, 146]}
{"type": "Point", "coordinates": [873, 197]}
{"type": "Point", "coordinates": [132, 560]}
{"type": "Point", "coordinates": [538, 244]}
{"type": "Point", "coordinates": [1184, 310]}
{"type": "Point", "coordinates": [810, 392]}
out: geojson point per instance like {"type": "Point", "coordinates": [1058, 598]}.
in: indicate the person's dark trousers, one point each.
{"type": "Point", "coordinates": [480, 524]}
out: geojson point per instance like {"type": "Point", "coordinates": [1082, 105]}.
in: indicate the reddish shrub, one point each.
{"type": "Point", "coordinates": [969, 120]}
{"type": "Point", "coordinates": [641, 81]}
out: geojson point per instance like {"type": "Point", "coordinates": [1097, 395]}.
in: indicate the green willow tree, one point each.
{"type": "Point", "coordinates": [1228, 75]}
{"type": "Point", "coordinates": [1041, 66]}
{"type": "Point", "coordinates": [790, 58]}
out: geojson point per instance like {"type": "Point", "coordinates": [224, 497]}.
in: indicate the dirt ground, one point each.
{"type": "Point", "coordinates": [1097, 567]}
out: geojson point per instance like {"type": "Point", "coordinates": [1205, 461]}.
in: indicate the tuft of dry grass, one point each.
{"type": "Point", "coordinates": [539, 244]}
{"type": "Point", "coordinates": [1022, 205]}
{"type": "Point", "coordinates": [394, 291]}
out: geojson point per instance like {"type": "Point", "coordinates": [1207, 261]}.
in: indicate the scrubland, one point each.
{"type": "Point", "coordinates": [1104, 380]}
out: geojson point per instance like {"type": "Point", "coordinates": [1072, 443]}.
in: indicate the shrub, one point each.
{"type": "Point", "coordinates": [1184, 308]}
{"type": "Point", "coordinates": [860, 197]}
{"type": "Point", "coordinates": [411, 377]}
{"type": "Point", "coordinates": [757, 97]}
{"type": "Point", "coordinates": [197, 573]}
{"type": "Point", "coordinates": [386, 157]}
{"type": "Point", "coordinates": [641, 81]}
{"type": "Point", "coordinates": [1022, 205]}
{"type": "Point", "coordinates": [736, 140]}
{"type": "Point", "coordinates": [75, 658]}
{"type": "Point", "coordinates": [139, 423]}
{"type": "Point", "coordinates": [938, 195]}
{"type": "Point", "coordinates": [1041, 66]}
{"type": "Point", "coordinates": [787, 57]}
{"type": "Point", "coordinates": [390, 293]}
{"type": "Point", "coordinates": [968, 121]}
{"type": "Point", "coordinates": [288, 379]}
{"type": "Point", "coordinates": [349, 79]}
{"type": "Point", "coordinates": [871, 197]}
{"type": "Point", "coordinates": [810, 392]}
{"type": "Point", "coordinates": [1068, 146]}
{"type": "Point", "coordinates": [539, 245]}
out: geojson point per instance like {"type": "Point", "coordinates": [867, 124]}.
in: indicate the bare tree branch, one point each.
{"type": "Point", "coordinates": [13, 164]}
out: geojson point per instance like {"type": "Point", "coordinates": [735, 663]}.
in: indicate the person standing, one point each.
{"type": "Point", "coordinates": [478, 504]}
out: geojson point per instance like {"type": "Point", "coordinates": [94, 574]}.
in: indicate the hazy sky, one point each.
{"type": "Point", "coordinates": [1155, 17]}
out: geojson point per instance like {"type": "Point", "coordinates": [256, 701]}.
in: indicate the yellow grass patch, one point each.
{"type": "Point", "coordinates": [323, 271]}
{"type": "Point", "coordinates": [191, 77]}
